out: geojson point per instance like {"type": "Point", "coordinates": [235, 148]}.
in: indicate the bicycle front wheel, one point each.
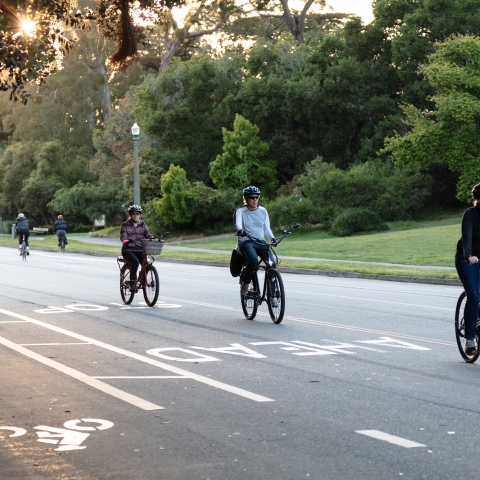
{"type": "Point", "coordinates": [127, 295]}
{"type": "Point", "coordinates": [249, 301]}
{"type": "Point", "coordinates": [152, 286]}
{"type": "Point", "coordinates": [460, 330]}
{"type": "Point", "coordinates": [275, 296]}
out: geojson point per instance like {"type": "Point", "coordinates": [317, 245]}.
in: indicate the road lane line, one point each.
{"type": "Point", "coordinates": [320, 323]}
{"type": "Point", "coordinates": [386, 437]}
{"type": "Point", "coordinates": [51, 344]}
{"type": "Point", "coordinates": [185, 373]}
{"type": "Point", "coordinates": [93, 382]}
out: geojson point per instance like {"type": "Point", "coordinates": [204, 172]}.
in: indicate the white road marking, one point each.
{"type": "Point", "coordinates": [73, 424]}
{"type": "Point", "coordinates": [386, 437]}
{"type": "Point", "coordinates": [93, 382]}
{"type": "Point", "coordinates": [165, 366]}
{"type": "Point", "coordinates": [86, 307]}
{"type": "Point", "coordinates": [317, 322]}
{"type": "Point", "coordinates": [17, 432]}
{"type": "Point", "coordinates": [51, 344]}
{"type": "Point", "coordinates": [144, 377]}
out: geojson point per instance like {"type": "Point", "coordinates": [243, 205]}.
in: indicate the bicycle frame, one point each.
{"type": "Point", "coordinates": [264, 263]}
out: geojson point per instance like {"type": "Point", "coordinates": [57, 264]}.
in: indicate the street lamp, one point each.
{"type": "Point", "coordinates": [136, 168]}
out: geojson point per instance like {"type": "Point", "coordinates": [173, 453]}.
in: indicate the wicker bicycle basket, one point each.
{"type": "Point", "coordinates": [150, 247]}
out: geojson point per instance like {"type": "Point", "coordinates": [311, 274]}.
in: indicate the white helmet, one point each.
{"type": "Point", "coordinates": [21, 215]}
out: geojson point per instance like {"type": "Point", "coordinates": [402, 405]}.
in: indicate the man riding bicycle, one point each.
{"type": "Point", "coordinates": [60, 228]}
{"type": "Point", "coordinates": [252, 219]}
{"type": "Point", "coordinates": [23, 231]}
{"type": "Point", "coordinates": [134, 229]}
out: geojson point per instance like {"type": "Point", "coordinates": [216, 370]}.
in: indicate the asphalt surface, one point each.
{"type": "Point", "coordinates": [362, 379]}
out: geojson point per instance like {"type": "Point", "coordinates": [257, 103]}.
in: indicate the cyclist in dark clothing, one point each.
{"type": "Point", "coordinates": [134, 229]}
{"type": "Point", "coordinates": [468, 268]}
{"type": "Point", "coordinates": [60, 227]}
{"type": "Point", "coordinates": [23, 231]}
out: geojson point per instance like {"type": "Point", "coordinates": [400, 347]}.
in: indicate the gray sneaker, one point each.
{"type": "Point", "coordinates": [243, 289]}
{"type": "Point", "coordinates": [470, 348]}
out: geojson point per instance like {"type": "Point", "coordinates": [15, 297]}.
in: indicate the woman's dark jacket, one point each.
{"type": "Point", "coordinates": [22, 224]}
{"type": "Point", "coordinates": [469, 244]}
{"type": "Point", "coordinates": [129, 230]}
{"type": "Point", "coordinates": [60, 225]}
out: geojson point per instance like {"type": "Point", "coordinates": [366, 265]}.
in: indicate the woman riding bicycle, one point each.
{"type": "Point", "coordinates": [468, 268]}
{"type": "Point", "coordinates": [23, 231]}
{"type": "Point", "coordinates": [252, 219]}
{"type": "Point", "coordinates": [60, 228]}
{"type": "Point", "coordinates": [134, 229]}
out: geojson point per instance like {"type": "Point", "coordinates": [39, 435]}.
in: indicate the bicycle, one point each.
{"type": "Point", "coordinates": [273, 290]}
{"type": "Point", "coordinates": [460, 330]}
{"type": "Point", "coordinates": [61, 248]}
{"type": "Point", "coordinates": [23, 249]}
{"type": "Point", "coordinates": [148, 279]}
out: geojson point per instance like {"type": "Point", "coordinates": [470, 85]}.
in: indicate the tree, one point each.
{"type": "Point", "coordinates": [33, 40]}
{"type": "Point", "coordinates": [175, 204]}
{"type": "Point", "coordinates": [449, 133]}
{"type": "Point", "coordinates": [243, 160]}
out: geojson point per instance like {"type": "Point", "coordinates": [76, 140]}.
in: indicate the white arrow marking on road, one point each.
{"type": "Point", "coordinates": [17, 432]}
{"type": "Point", "coordinates": [386, 437]}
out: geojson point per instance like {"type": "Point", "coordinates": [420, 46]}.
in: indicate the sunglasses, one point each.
{"type": "Point", "coordinates": [253, 197]}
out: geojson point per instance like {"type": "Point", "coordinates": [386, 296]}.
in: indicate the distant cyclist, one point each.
{"type": "Point", "coordinates": [60, 229]}
{"type": "Point", "coordinates": [134, 229]}
{"type": "Point", "coordinates": [468, 268]}
{"type": "Point", "coordinates": [23, 231]}
{"type": "Point", "coordinates": [252, 219]}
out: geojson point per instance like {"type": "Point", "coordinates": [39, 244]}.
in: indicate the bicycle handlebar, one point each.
{"type": "Point", "coordinates": [162, 236]}
{"type": "Point", "coordinates": [285, 234]}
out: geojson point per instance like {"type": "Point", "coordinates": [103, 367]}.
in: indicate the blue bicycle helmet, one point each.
{"type": "Point", "coordinates": [251, 190]}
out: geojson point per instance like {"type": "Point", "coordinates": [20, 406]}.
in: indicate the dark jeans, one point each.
{"type": "Point", "coordinates": [23, 233]}
{"type": "Point", "coordinates": [134, 259]}
{"type": "Point", "coordinates": [470, 277]}
{"type": "Point", "coordinates": [252, 251]}
{"type": "Point", "coordinates": [61, 233]}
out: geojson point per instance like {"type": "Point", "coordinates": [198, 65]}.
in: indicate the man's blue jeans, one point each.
{"type": "Point", "coordinates": [252, 251]}
{"type": "Point", "coordinates": [470, 277]}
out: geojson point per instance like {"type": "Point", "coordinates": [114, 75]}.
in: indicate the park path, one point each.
{"type": "Point", "coordinates": [115, 242]}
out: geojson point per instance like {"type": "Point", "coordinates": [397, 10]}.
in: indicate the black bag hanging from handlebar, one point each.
{"type": "Point", "coordinates": [236, 263]}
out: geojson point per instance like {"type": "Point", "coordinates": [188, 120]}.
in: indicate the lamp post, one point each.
{"type": "Point", "coordinates": [136, 168]}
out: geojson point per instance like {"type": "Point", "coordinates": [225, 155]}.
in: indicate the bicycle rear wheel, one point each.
{"type": "Point", "coordinates": [62, 245]}
{"type": "Point", "coordinates": [127, 295]}
{"type": "Point", "coordinates": [275, 296]}
{"type": "Point", "coordinates": [249, 301]}
{"type": "Point", "coordinates": [460, 330]}
{"type": "Point", "coordinates": [24, 251]}
{"type": "Point", "coordinates": [152, 286]}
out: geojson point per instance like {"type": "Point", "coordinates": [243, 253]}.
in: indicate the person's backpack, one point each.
{"type": "Point", "coordinates": [236, 263]}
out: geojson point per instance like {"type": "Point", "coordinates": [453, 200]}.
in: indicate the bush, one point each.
{"type": "Point", "coordinates": [6, 227]}
{"type": "Point", "coordinates": [354, 220]}
{"type": "Point", "coordinates": [390, 192]}
{"type": "Point", "coordinates": [79, 228]}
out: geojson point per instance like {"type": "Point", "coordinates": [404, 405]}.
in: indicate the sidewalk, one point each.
{"type": "Point", "coordinates": [116, 243]}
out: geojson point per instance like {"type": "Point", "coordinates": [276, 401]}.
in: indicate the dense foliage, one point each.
{"type": "Point", "coordinates": [325, 114]}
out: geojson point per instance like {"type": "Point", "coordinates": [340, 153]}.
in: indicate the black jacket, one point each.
{"type": "Point", "coordinates": [469, 244]}
{"type": "Point", "coordinates": [60, 225]}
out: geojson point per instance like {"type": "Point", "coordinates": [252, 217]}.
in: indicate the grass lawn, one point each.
{"type": "Point", "coordinates": [419, 243]}
{"type": "Point", "coordinates": [415, 243]}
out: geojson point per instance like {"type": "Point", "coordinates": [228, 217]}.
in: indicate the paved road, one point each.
{"type": "Point", "coordinates": [362, 380]}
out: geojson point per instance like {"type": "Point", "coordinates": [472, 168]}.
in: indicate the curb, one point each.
{"type": "Point", "coordinates": [297, 271]}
